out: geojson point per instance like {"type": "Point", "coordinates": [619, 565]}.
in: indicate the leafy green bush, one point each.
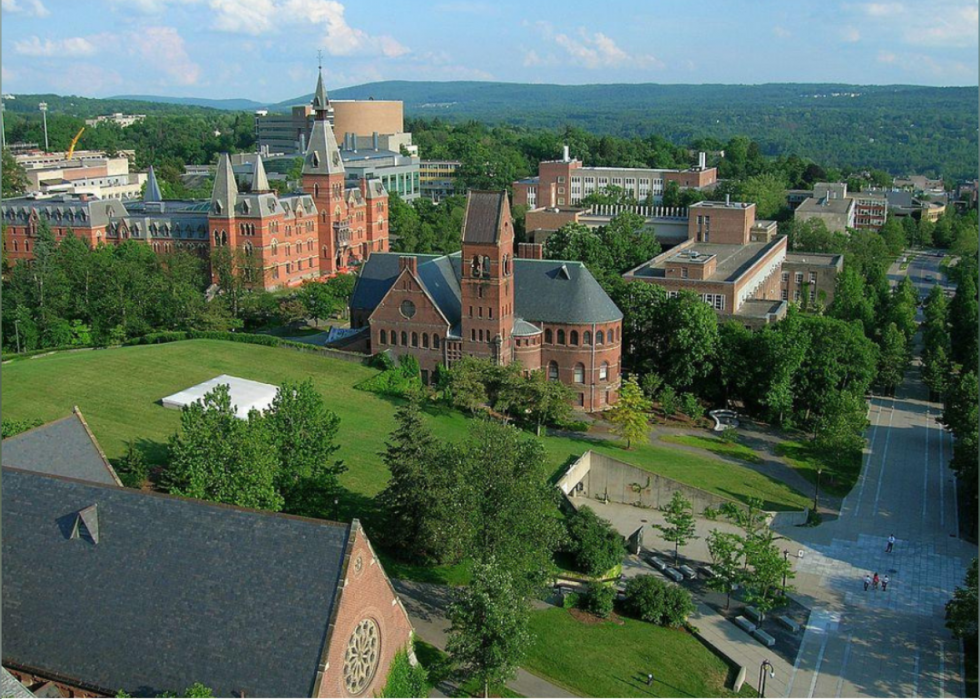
{"type": "Point", "coordinates": [651, 383]}
{"type": "Point", "coordinates": [12, 427]}
{"type": "Point", "coordinates": [392, 382]}
{"type": "Point", "coordinates": [405, 679]}
{"type": "Point", "coordinates": [668, 400]}
{"type": "Point", "coordinates": [729, 435]}
{"type": "Point", "coordinates": [650, 599]}
{"type": "Point", "coordinates": [570, 600]}
{"type": "Point", "coordinates": [599, 599]}
{"type": "Point", "coordinates": [132, 467]}
{"type": "Point", "coordinates": [158, 338]}
{"type": "Point", "coordinates": [409, 366]}
{"type": "Point", "coordinates": [574, 426]}
{"type": "Point", "coordinates": [595, 545]}
{"type": "Point", "coordinates": [691, 406]}
{"type": "Point", "coordinates": [383, 361]}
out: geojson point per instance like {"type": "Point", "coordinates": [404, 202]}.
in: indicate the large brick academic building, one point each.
{"type": "Point", "coordinates": [494, 302]}
{"type": "Point", "coordinates": [324, 229]}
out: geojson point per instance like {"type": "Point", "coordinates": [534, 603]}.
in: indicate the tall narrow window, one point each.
{"type": "Point", "coordinates": [384, 337]}
{"type": "Point", "coordinates": [573, 338]}
{"type": "Point", "coordinates": [561, 337]}
{"type": "Point", "coordinates": [604, 371]}
{"type": "Point", "coordinates": [579, 373]}
{"type": "Point", "coordinates": [553, 371]}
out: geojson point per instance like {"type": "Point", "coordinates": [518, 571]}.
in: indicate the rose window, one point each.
{"type": "Point", "coordinates": [362, 656]}
{"type": "Point", "coordinates": [407, 309]}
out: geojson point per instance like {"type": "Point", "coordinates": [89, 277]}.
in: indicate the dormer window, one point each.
{"type": "Point", "coordinates": [86, 526]}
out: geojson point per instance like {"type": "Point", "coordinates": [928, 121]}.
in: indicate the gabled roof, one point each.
{"type": "Point", "coordinates": [545, 291]}
{"type": "Point", "coordinates": [322, 154]}
{"type": "Point", "coordinates": [484, 211]}
{"type": "Point", "coordinates": [64, 447]}
{"type": "Point", "coordinates": [224, 194]}
{"type": "Point", "coordinates": [176, 591]}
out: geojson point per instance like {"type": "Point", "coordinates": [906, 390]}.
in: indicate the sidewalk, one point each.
{"type": "Point", "coordinates": [426, 604]}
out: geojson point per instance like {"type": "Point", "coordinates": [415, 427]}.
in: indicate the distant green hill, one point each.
{"type": "Point", "coordinates": [230, 104]}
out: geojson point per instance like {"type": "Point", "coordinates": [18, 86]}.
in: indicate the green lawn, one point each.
{"type": "Point", "coordinates": [839, 475]}
{"type": "Point", "coordinates": [437, 665]}
{"type": "Point", "coordinates": [608, 660]}
{"type": "Point", "coordinates": [118, 390]}
{"type": "Point", "coordinates": [732, 450]}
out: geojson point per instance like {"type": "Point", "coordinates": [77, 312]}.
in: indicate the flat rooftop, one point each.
{"type": "Point", "coordinates": [825, 206]}
{"type": "Point", "coordinates": [813, 258]}
{"type": "Point", "coordinates": [732, 260]}
{"type": "Point", "coordinates": [761, 308]}
{"type": "Point", "coordinates": [721, 205]}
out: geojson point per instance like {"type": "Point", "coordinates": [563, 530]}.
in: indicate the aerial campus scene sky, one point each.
{"type": "Point", "coordinates": [266, 49]}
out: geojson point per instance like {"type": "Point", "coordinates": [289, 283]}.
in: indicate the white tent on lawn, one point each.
{"type": "Point", "coordinates": [245, 395]}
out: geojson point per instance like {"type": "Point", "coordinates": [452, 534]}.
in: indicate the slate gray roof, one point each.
{"type": "Point", "coordinates": [543, 293]}
{"type": "Point", "coordinates": [152, 192]}
{"type": "Point", "coordinates": [224, 193]}
{"type": "Point", "coordinates": [482, 219]}
{"type": "Point", "coordinates": [61, 448]}
{"type": "Point", "coordinates": [11, 688]}
{"type": "Point", "coordinates": [524, 329]}
{"type": "Point", "coordinates": [176, 591]}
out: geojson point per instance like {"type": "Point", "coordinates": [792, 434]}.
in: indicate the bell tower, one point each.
{"type": "Point", "coordinates": [323, 178]}
{"type": "Point", "coordinates": [487, 277]}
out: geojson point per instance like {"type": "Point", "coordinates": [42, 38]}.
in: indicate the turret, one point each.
{"type": "Point", "coordinates": [224, 194]}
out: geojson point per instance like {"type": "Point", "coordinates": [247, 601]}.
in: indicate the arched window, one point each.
{"type": "Point", "coordinates": [486, 266]}
{"type": "Point", "coordinates": [425, 340]}
{"type": "Point", "coordinates": [384, 337]}
{"type": "Point", "coordinates": [547, 336]}
{"type": "Point", "coordinates": [404, 339]}
{"type": "Point", "coordinates": [579, 373]}
{"type": "Point", "coordinates": [415, 339]}
{"type": "Point", "coordinates": [573, 338]}
{"type": "Point", "coordinates": [224, 238]}
{"type": "Point", "coordinates": [275, 247]}
{"type": "Point", "coordinates": [561, 337]}
{"type": "Point", "coordinates": [552, 371]}
{"type": "Point", "coordinates": [475, 266]}
{"type": "Point", "coordinates": [599, 338]}
{"type": "Point", "coordinates": [587, 338]}
{"type": "Point", "coordinates": [248, 248]}
{"type": "Point", "coordinates": [323, 252]}
{"type": "Point", "coordinates": [394, 338]}
{"type": "Point", "coordinates": [316, 191]}
{"type": "Point", "coordinates": [435, 342]}
{"type": "Point", "coordinates": [604, 371]}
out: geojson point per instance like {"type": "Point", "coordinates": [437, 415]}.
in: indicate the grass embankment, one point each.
{"type": "Point", "coordinates": [436, 664]}
{"type": "Point", "coordinates": [118, 391]}
{"type": "Point", "coordinates": [612, 660]}
{"type": "Point", "coordinates": [730, 450]}
{"type": "Point", "coordinates": [840, 471]}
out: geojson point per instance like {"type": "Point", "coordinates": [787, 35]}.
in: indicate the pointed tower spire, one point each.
{"type": "Point", "coordinates": [224, 195]}
{"type": "Point", "coordinates": [260, 183]}
{"type": "Point", "coordinates": [152, 192]}
{"type": "Point", "coordinates": [322, 153]}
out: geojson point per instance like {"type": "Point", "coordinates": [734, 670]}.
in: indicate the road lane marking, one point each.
{"type": "Point", "coordinates": [796, 665]}
{"type": "Point", "coordinates": [867, 465]}
{"type": "Point", "coordinates": [843, 665]}
{"type": "Point", "coordinates": [816, 668]}
{"type": "Point", "coordinates": [884, 459]}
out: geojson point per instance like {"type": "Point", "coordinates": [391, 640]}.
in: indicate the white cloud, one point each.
{"type": "Point", "coordinates": [942, 23]}
{"type": "Point", "coordinates": [850, 34]}
{"type": "Point", "coordinates": [920, 65]}
{"type": "Point", "coordinates": [590, 50]}
{"type": "Point", "coordinates": [886, 57]}
{"type": "Point", "coordinates": [151, 7]}
{"type": "Point", "coordinates": [260, 17]}
{"type": "Point", "coordinates": [34, 8]}
{"type": "Point", "coordinates": [164, 47]}
{"type": "Point", "coordinates": [57, 48]}
{"type": "Point", "coordinates": [782, 32]}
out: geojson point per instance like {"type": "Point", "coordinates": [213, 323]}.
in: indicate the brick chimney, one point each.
{"type": "Point", "coordinates": [411, 263]}
{"type": "Point", "coordinates": [530, 251]}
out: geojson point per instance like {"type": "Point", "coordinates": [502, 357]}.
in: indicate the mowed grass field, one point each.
{"type": "Point", "coordinates": [119, 390]}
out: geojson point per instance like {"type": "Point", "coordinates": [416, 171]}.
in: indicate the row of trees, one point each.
{"type": "Point", "coordinates": [279, 460]}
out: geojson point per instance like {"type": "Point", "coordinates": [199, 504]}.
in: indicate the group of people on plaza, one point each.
{"type": "Point", "coordinates": [873, 581]}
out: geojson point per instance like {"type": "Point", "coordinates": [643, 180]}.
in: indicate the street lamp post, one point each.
{"type": "Point", "coordinates": [43, 106]}
{"type": "Point", "coordinates": [765, 668]}
{"type": "Point", "coordinates": [785, 567]}
{"type": "Point", "coordinates": [816, 493]}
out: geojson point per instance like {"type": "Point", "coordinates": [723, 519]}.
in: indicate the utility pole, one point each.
{"type": "Point", "coordinates": [44, 116]}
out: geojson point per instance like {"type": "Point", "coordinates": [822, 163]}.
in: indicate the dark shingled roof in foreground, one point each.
{"type": "Point", "coordinates": [61, 448]}
{"type": "Point", "coordinates": [545, 291]}
{"type": "Point", "coordinates": [176, 591]}
{"type": "Point", "coordinates": [483, 211]}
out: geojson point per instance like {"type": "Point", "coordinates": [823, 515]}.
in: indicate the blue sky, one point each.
{"type": "Point", "coordinates": [266, 49]}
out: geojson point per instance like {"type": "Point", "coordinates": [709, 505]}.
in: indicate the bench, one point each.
{"type": "Point", "coordinates": [706, 571]}
{"type": "Point", "coordinates": [753, 614]}
{"type": "Point", "coordinates": [657, 563]}
{"type": "Point", "coordinates": [764, 638]}
{"type": "Point", "coordinates": [744, 624]}
{"type": "Point", "coordinates": [688, 572]}
{"type": "Point", "coordinates": [674, 575]}
{"type": "Point", "coordinates": [789, 623]}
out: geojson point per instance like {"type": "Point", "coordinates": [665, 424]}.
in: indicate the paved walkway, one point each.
{"type": "Point", "coordinates": [426, 604]}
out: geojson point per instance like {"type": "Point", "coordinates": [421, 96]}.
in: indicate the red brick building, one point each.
{"type": "Point", "coordinates": [110, 589]}
{"type": "Point", "coordinates": [487, 301]}
{"type": "Point", "coordinates": [324, 229]}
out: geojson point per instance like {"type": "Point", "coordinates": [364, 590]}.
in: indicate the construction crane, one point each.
{"type": "Point", "coordinates": [71, 148]}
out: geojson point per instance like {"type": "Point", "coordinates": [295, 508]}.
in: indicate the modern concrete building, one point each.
{"type": "Point", "coordinates": [836, 212]}
{"type": "Point", "coordinates": [89, 173]}
{"type": "Point", "coordinates": [437, 178]}
{"type": "Point", "coordinates": [870, 207]}
{"type": "Point", "coordinates": [810, 278]}
{"type": "Point", "coordinates": [567, 181]}
{"type": "Point", "coordinates": [669, 225]}
{"type": "Point", "coordinates": [117, 118]}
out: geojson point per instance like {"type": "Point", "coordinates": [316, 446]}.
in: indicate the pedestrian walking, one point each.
{"type": "Point", "coordinates": [891, 543]}
{"type": "Point", "coordinates": [649, 679]}
{"type": "Point", "coordinates": [875, 581]}
{"type": "Point", "coordinates": [867, 582]}
{"type": "Point", "coordinates": [884, 583]}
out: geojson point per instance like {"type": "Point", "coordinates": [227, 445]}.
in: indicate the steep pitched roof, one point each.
{"type": "Point", "coordinates": [260, 182]}
{"type": "Point", "coordinates": [152, 192]}
{"type": "Point", "coordinates": [545, 291]}
{"type": "Point", "coordinates": [481, 223]}
{"type": "Point", "coordinates": [320, 100]}
{"type": "Point", "coordinates": [224, 194]}
{"type": "Point", "coordinates": [322, 154]}
{"type": "Point", "coordinates": [176, 591]}
{"type": "Point", "coordinates": [64, 447]}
